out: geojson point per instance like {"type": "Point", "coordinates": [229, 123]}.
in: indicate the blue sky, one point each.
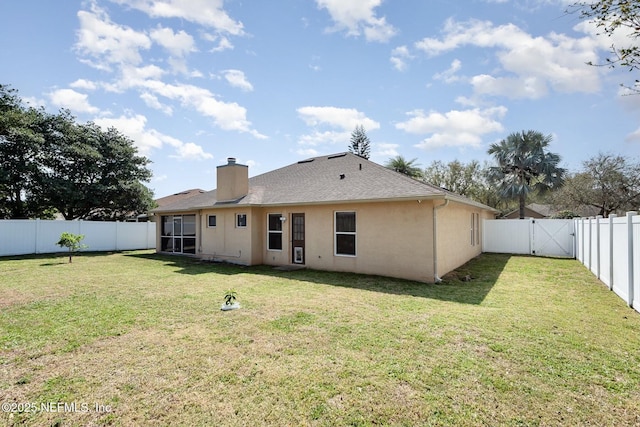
{"type": "Point", "coordinates": [193, 82]}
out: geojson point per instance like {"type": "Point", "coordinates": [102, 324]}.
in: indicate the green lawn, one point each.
{"type": "Point", "coordinates": [528, 341]}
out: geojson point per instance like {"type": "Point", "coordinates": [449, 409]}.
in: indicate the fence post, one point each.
{"type": "Point", "coordinates": [590, 243]}
{"type": "Point", "coordinates": [630, 254]}
{"type": "Point", "coordinates": [583, 260]}
{"type": "Point", "coordinates": [598, 218]}
{"type": "Point", "coordinates": [611, 218]}
{"type": "Point", "coordinates": [35, 243]}
{"type": "Point", "coordinates": [117, 239]}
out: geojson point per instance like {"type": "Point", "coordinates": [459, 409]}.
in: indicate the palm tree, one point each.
{"type": "Point", "coordinates": [525, 166]}
{"type": "Point", "coordinates": [406, 167]}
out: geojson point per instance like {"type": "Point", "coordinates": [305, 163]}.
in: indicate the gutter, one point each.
{"type": "Point", "coordinates": [436, 278]}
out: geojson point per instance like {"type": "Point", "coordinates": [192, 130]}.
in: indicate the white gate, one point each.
{"type": "Point", "coordinates": [542, 237]}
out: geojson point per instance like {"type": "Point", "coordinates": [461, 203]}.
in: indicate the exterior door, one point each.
{"type": "Point", "coordinates": [297, 238]}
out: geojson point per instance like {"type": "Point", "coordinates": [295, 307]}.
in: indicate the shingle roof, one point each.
{"type": "Point", "coordinates": [173, 198]}
{"type": "Point", "coordinates": [337, 178]}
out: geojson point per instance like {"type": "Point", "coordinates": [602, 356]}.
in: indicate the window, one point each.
{"type": "Point", "coordinates": [345, 233]}
{"type": "Point", "coordinates": [274, 232]}
{"type": "Point", "coordinates": [241, 220]}
{"type": "Point", "coordinates": [475, 229]}
{"type": "Point", "coordinates": [211, 221]}
{"type": "Point", "coordinates": [178, 234]}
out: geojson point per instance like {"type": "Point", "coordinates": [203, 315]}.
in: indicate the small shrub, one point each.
{"type": "Point", "coordinates": [230, 297]}
{"type": "Point", "coordinates": [72, 242]}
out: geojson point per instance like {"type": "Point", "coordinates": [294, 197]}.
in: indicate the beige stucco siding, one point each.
{"type": "Point", "coordinates": [226, 241]}
{"type": "Point", "coordinates": [455, 245]}
{"type": "Point", "coordinates": [392, 239]}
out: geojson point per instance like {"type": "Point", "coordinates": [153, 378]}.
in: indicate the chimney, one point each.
{"type": "Point", "coordinates": [233, 180]}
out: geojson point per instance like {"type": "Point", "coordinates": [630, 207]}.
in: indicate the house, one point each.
{"type": "Point", "coordinates": [339, 212]}
{"type": "Point", "coordinates": [537, 211]}
{"type": "Point", "coordinates": [532, 210]}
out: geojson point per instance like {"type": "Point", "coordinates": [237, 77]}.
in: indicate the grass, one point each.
{"type": "Point", "coordinates": [528, 341]}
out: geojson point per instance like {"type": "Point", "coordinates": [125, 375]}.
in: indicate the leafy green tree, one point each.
{"type": "Point", "coordinates": [72, 242]}
{"type": "Point", "coordinates": [467, 179]}
{"type": "Point", "coordinates": [455, 176]}
{"type": "Point", "coordinates": [89, 173]}
{"type": "Point", "coordinates": [611, 16]}
{"type": "Point", "coordinates": [607, 182]}
{"type": "Point", "coordinates": [524, 165]}
{"type": "Point", "coordinates": [49, 162]}
{"type": "Point", "coordinates": [360, 143]}
{"type": "Point", "coordinates": [20, 152]}
{"type": "Point", "coordinates": [404, 166]}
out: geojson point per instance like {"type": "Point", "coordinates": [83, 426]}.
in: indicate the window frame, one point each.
{"type": "Point", "coordinates": [175, 241]}
{"type": "Point", "coordinates": [336, 233]}
{"type": "Point", "coordinates": [270, 232]}
{"type": "Point", "coordinates": [215, 220]}
{"type": "Point", "coordinates": [246, 220]}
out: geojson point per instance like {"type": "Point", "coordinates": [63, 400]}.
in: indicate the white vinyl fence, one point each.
{"type": "Point", "coordinates": [21, 236]}
{"type": "Point", "coordinates": [542, 237]}
{"type": "Point", "coordinates": [610, 248]}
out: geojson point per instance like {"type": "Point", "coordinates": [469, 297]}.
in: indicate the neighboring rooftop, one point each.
{"type": "Point", "coordinates": [338, 178]}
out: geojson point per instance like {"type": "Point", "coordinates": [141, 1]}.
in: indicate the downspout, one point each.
{"type": "Point", "coordinates": [435, 239]}
{"type": "Point", "coordinates": [199, 232]}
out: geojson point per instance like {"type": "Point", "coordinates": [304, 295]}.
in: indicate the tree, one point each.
{"type": "Point", "coordinates": [20, 151]}
{"type": "Point", "coordinates": [607, 182]}
{"type": "Point", "coordinates": [72, 242]}
{"type": "Point", "coordinates": [50, 162]}
{"type": "Point", "coordinates": [454, 176]}
{"type": "Point", "coordinates": [524, 166]}
{"type": "Point", "coordinates": [89, 173]}
{"type": "Point", "coordinates": [406, 167]}
{"type": "Point", "coordinates": [612, 17]}
{"type": "Point", "coordinates": [360, 142]}
{"type": "Point", "coordinates": [469, 180]}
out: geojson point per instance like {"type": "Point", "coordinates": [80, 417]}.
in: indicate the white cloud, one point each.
{"type": "Point", "coordinates": [153, 102]}
{"type": "Point", "coordinates": [399, 57]}
{"type": "Point", "coordinates": [633, 137]}
{"type": "Point", "coordinates": [84, 84]}
{"type": "Point", "coordinates": [209, 13]}
{"type": "Point", "coordinates": [226, 115]}
{"type": "Point", "coordinates": [382, 149]}
{"type": "Point", "coordinates": [236, 78]}
{"type": "Point", "coordinates": [449, 75]}
{"type": "Point", "coordinates": [522, 87]}
{"type": "Point", "coordinates": [191, 151]}
{"type": "Point", "coordinates": [533, 64]}
{"type": "Point", "coordinates": [455, 128]}
{"type": "Point", "coordinates": [74, 101]}
{"type": "Point", "coordinates": [146, 140]}
{"type": "Point", "coordinates": [178, 44]}
{"type": "Point", "coordinates": [223, 43]}
{"type": "Point", "coordinates": [340, 121]}
{"type": "Point", "coordinates": [106, 42]}
{"type": "Point", "coordinates": [343, 118]}
{"type": "Point", "coordinates": [110, 46]}
{"type": "Point", "coordinates": [358, 17]}
{"type": "Point", "coordinates": [316, 138]}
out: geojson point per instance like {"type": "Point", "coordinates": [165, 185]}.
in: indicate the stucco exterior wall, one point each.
{"type": "Point", "coordinates": [392, 239]}
{"type": "Point", "coordinates": [455, 245]}
{"type": "Point", "coordinates": [226, 241]}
